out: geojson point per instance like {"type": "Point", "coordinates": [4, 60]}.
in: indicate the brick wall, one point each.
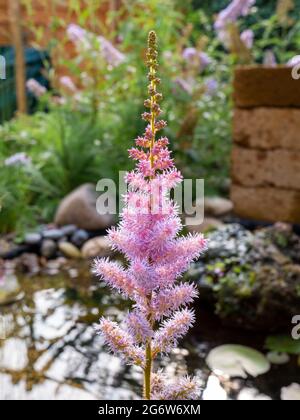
{"type": "Point", "coordinates": [43, 10]}
{"type": "Point", "coordinates": [266, 145]}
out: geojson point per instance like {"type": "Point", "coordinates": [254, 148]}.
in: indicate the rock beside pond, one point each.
{"type": "Point", "coordinates": [48, 248]}
{"type": "Point", "coordinates": [251, 279]}
{"type": "Point", "coordinates": [10, 290]}
{"type": "Point", "coordinates": [79, 208]}
{"type": "Point", "coordinates": [209, 224]}
{"type": "Point", "coordinates": [32, 238]}
{"type": "Point", "coordinates": [79, 237]}
{"type": "Point", "coordinates": [96, 247]}
{"type": "Point", "coordinates": [29, 263]}
{"type": "Point", "coordinates": [69, 250]}
{"type": "Point", "coordinates": [217, 206]}
{"type": "Point", "coordinates": [54, 234]}
{"type": "Point", "coordinates": [68, 230]}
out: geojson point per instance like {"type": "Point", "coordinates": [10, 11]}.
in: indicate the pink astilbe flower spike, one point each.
{"type": "Point", "coordinates": [156, 257]}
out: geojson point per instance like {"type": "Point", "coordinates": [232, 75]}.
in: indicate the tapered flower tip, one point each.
{"type": "Point", "coordinates": [152, 39]}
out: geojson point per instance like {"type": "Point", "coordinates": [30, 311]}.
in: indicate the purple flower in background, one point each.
{"type": "Point", "coordinates": [185, 84]}
{"type": "Point", "coordinates": [58, 100]}
{"type": "Point", "coordinates": [111, 54]}
{"type": "Point", "coordinates": [232, 12]}
{"type": "Point", "coordinates": [247, 37]}
{"type": "Point", "coordinates": [76, 33]}
{"type": "Point", "coordinates": [68, 83]}
{"type": "Point", "coordinates": [189, 53]}
{"type": "Point", "coordinates": [269, 59]}
{"type": "Point", "coordinates": [88, 41]}
{"type": "Point", "coordinates": [18, 159]}
{"type": "Point", "coordinates": [211, 86]}
{"type": "Point", "coordinates": [196, 58]}
{"type": "Point", "coordinates": [35, 88]}
{"type": "Point", "coordinates": [294, 61]}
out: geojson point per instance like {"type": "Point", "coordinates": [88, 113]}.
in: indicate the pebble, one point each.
{"type": "Point", "coordinates": [79, 237]}
{"type": "Point", "coordinates": [32, 238]}
{"type": "Point", "coordinates": [97, 247]}
{"type": "Point", "coordinates": [68, 230]}
{"type": "Point", "coordinates": [53, 234]}
{"type": "Point", "coordinates": [48, 248]}
{"type": "Point", "coordinates": [69, 250]}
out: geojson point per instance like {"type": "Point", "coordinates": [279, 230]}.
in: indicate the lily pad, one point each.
{"type": "Point", "coordinates": [277, 358]}
{"type": "Point", "coordinates": [283, 344]}
{"type": "Point", "coordinates": [236, 360]}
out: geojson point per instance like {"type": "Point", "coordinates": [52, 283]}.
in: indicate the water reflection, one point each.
{"type": "Point", "coordinates": [52, 352]}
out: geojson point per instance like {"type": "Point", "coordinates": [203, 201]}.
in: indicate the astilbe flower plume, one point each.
{"type": "Point", "coordinates": [148, 237]}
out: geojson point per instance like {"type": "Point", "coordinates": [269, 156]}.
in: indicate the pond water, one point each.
{"type": "Point", "coordinates": [52, 352]}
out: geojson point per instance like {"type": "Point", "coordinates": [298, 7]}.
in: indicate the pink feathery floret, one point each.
{"type": "Point", "coordinates": [158, 383]}
{"type": "Point", "coordinates": [143, 274]}
{"type": "Point", "coordinates": [168, 300]}
{"type": "Point", "coordinates": [142, 142]}
{"type": "Point", "coordinates": [119, 341]}
{"type": "Point", "coordinates": [136, 181]}
{"type": "Point", "coordinates": [185, 388]}
{"type": "Point", "coordinates": [115, 276]}
{"type": "Point", "coordinates": [187, 248]}
{"type": "Point", "coordinates": [138, 326]}
{"type": "Point", "coordinates": [174, 328]}
{"type": "Point", "coordinates": [137, 154]}
{"type": "Point", "coordinates": [176, 261]}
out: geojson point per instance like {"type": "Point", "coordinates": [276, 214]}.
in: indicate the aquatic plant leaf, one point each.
{"type": "Point", "coordinates": [283, 344]}
{"type": "Point", "coordinates": [237, 360]}
{"type": "Point", "coordinates": [277, 358]}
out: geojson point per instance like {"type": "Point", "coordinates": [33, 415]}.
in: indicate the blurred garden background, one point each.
{"type": "Point", "coordinates": [70, 105]}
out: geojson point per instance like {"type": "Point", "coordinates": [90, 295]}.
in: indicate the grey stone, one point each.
{"type": "Point", "coordinates": [79, 237]}
{"type": "Point", "coordinates": [79, 208]}
{"type": "Point", "coordinates": [48, 248]}
{"type": "Point", "coordinates": [53, 234]}
{"type": "Point", "coordinates": [68, 230]}
{"type": "Point", "coordinates": [32, 238]}
{"type": "Point", "coordinates": [217, 206]}
{"type": "Point", "coordinates": [97, 247]}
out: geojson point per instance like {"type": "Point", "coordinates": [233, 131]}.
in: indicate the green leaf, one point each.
{"type": "Point", "coordinates": [283, 344]}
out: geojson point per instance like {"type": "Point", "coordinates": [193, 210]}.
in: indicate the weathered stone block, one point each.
{"type": "Point", "coordinates": [265, 86]}
{"type": "Point", "coordinates": [267, 128]}
{"type": "Point", "coordinates": [266, 203]}
{"type": "Point", "coordinates": [261, 168]}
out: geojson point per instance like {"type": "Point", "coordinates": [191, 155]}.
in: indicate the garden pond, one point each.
{"type": "Point", "coordinates": [52, 352]}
